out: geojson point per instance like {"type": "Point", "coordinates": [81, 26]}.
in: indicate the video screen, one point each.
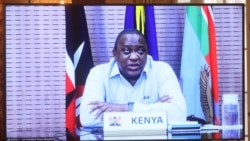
{"type": "Point", "coordinates": [50, 50]}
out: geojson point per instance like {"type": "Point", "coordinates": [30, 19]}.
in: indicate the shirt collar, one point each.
{"type": "Point", "coordinates": [115, 69]}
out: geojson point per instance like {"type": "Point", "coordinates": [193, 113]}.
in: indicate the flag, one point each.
{"type": "Point", "coordinates": [142, 18]}
{"type": "Point", "coordinates": [78, 63]}
{"type": "Point", "coordinates": [198, 56]}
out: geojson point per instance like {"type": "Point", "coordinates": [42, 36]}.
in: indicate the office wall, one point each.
{"type": "Point", "coordinates": [35, 69]}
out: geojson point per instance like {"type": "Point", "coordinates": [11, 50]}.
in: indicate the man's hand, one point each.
{"type": "Point", "coordinates": [102, 107]}
{"type": "Point", "coordinates": [165, 98]}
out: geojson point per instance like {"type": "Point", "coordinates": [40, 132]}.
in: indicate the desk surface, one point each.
{"type": "Point", "coordinates": [222, 134]}
{"type": "Point", "coordinates": [61, 135]}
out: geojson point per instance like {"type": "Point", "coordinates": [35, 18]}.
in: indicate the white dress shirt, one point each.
{"type": "Point", "coordinates": [106, 84]}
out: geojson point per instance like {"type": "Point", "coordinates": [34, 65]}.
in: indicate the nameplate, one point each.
{"type": "Point", "coordinates": [134, 123]}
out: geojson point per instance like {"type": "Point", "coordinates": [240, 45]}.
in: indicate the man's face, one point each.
{"type": "Point", "coordinates": [131, 55]}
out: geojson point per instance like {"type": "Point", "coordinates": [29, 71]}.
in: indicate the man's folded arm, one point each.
{"type": "Point", "coordinates": [94, 91]}
{"type": "Point", "coordinates": [89, 119]}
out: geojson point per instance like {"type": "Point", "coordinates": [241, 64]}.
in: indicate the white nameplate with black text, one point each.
{"type": "Point", "coordinates": [135, 123]}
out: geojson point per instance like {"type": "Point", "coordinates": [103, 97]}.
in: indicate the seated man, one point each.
{"type": "Point", "coordinates": [131, 81]}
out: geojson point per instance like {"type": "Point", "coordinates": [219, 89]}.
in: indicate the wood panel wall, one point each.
{"type": "Point", "coordinates": [2, 73]}
{"type": "Point", "coordinates": [247, 30]}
